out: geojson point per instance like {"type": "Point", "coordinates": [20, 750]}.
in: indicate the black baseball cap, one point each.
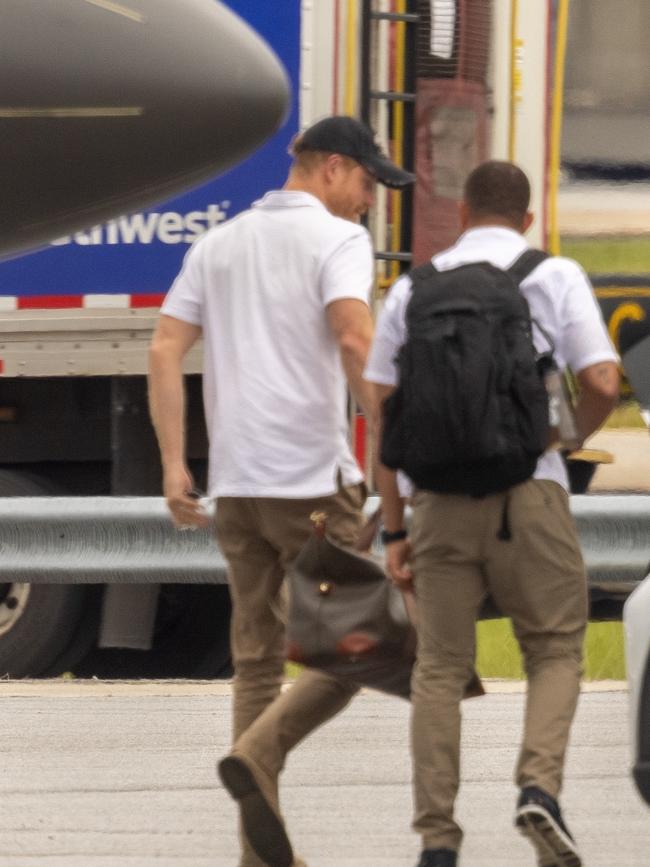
{"type": "Point", "coordinates": [350, 137]}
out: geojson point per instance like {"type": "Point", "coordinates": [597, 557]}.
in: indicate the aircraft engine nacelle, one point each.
{"type": "Point", "coordinates": [110, 106]}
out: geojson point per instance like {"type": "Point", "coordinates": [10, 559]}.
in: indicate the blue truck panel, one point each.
{"type": "Point", "coordinates": [139, 254]}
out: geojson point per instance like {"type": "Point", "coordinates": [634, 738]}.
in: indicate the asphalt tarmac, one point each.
{"type": "Point", "coordinates": [99, 774]}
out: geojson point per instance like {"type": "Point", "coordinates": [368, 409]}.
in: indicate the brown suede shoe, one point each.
{"type": "Point", "coordinates": [256, 795]}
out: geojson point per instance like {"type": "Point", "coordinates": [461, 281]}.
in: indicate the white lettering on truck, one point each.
{"type": "Point", "coordinates": [168, 227]}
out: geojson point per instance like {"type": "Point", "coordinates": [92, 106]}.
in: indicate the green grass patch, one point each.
{"type": "Point", "coordinates": [605, 652]}
{"type": "Point", "coordinates": [609, 255]}
{"type": "Point", "coordinates": [498, 652]}
{"type": "Point", "coordinates": [292, 670]}
{"type": "Point", "coordinates": [627, 415]}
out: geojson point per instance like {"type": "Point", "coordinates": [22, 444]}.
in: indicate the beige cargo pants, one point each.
{"type": "Point", "coordinates": [537, 578]}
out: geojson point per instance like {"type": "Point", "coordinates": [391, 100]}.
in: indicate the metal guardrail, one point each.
{"type": "Point", "coordinates": [118, 540]}
{"type": "Point", "coordinates": [614, 535]}
{"type": "Point", "coordinates": [102, 540]}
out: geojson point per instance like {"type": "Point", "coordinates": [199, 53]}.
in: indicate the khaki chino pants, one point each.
{"type": "Point", "coordinates": [259, 537]}
{"type": "Point", "coordinates": [537, 578]}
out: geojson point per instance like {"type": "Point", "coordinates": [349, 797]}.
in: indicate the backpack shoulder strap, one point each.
{"type": "Point", "coordinates": [526, 264]}
{"type": "Point", "coordinates": [423, 273]}
{"type": "Point", "coordinates": [422, 279]}
{"type": "Point", "coordinates": [519, 270]}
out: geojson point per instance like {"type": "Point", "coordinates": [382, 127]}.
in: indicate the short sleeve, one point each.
{"type": "Point", "coordinates": [184, 300]}
{"type": "Point", "coordinates": [390, 335]}
{"type": "Point", "coordinates": [348, 270]}
{"type": "Point", "coordinates": [584, 337]}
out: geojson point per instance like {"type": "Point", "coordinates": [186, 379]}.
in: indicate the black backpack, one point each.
{"type": "Point", "coordinates": [470, 412]}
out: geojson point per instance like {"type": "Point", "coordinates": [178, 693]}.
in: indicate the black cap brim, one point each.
{"type": "Point", "coordinates": [386, 172]}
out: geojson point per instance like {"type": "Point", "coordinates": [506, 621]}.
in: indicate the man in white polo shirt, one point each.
{"type": "Point", "coordinates": [458, 550]}
{"type": "Point", "coordinates": [280, 294]}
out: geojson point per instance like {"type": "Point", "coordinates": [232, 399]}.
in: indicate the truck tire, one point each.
{"type": "Point", "coordinates": [38, 622]}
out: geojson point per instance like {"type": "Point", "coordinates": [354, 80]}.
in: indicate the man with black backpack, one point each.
{"type": "Point", "coordinates": [459, 358]}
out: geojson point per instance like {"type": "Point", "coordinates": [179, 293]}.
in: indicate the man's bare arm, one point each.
{"type": "Point", "coordinates": [599, 389]}
{"type": "Point", "coordinates": [171, 341]}
{"type": "Point", "coordinates": [392, 503]}
{"type": "Point", "coordinates": [351, 323]}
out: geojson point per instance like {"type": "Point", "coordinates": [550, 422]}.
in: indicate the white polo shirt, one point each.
{"type": "Point", "coordinates": [273, 384]}
{"type": "Point", "coordinates": [560, 298]}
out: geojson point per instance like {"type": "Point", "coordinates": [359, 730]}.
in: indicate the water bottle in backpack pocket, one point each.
{"type": "Point", "coordinates": [563, 431]}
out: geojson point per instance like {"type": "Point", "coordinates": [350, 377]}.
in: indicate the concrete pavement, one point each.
{"type": "Point", "coordinates": [631, 468]}
{"type": "Point", "coordinates": [601, 208]}
{"type": "Point", "coordinates": [122, 775]}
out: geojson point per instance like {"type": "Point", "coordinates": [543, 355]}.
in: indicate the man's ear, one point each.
{"type": "Point", "coordinates": [331, 166]}
{"type": "Point", "coordinates": [527, 222]}
{"type": "Point", "coordinates": [463, 214]}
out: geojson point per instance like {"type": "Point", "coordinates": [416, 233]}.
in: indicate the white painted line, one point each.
{"type": "Point", "coordinates": [94, 687]}
{"type": "Point", "coordinates": [8, 302]}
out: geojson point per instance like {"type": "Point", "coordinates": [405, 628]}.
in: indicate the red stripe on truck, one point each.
{"type": "Point", "coordinates": [50, 302]}
{"type": "Point", "coordinates": [147, 300]}
{"type": "Point", "coordinates": [61, 302]}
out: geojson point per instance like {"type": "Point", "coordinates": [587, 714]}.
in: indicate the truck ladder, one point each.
{"type": "Point", "coordinates": [388, 103]}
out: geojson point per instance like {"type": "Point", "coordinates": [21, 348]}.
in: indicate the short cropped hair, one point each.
{"type": "Point", "coordinates": [307, 160]}
{"type": "Point", "coordinates": [498, 189]}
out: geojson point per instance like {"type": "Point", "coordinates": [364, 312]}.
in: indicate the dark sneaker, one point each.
{"type": "Point", "coordinates": [438, 858]}
{"type": "Point", "coordinates": [260, 817]}
{"type": "Point", "coordinates": [538, 817]}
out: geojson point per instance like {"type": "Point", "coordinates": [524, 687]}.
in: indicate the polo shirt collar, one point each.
{"type": "Point", "coordinates": [289, 199]}
{"type": "Point", "coordinates": [487, 233]}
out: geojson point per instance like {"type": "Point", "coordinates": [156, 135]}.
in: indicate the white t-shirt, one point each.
{"type": "Point", "coordinates": [273, 384]}
{"type": "Point", "coordinates": [560, 298]}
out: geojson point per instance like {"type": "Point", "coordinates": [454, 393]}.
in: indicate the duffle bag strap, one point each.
{"type": "Point", "coordinates": [369, 531]}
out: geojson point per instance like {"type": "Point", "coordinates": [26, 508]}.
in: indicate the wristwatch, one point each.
{"type": "Point", "coordinates": [396, 536]}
